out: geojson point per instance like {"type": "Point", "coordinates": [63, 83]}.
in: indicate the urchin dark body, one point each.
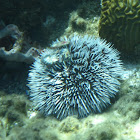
{"type": "Point", "coordinates": [80, 84]}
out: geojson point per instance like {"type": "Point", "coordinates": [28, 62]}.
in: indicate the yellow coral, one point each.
{"type": "Point", "coordinates": [120, 24]}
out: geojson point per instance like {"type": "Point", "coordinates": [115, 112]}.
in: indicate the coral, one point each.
{"type": "Point", "coordinates": [82, 83]}
{"type": "Point", "coordinates": [10, 30]}
{"type": "Point", "coordinates": [120, 24]}
{"type": "Point", "coordinates": [14, 53]}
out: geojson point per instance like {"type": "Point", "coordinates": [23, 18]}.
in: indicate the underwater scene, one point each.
{"type": "Point", "coordinates": [69, 70]}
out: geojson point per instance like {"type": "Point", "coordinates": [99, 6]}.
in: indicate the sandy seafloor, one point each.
{"type": "Point", "coordinates": [121, 121]}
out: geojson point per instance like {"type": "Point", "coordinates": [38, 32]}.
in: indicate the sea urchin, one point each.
{"type": "Point", "coordinates": [82, 83]}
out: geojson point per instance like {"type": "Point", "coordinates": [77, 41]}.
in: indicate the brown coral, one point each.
{"type": "Point", "coordinates": [120, 24]}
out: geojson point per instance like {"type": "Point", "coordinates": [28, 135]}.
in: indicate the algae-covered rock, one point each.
{"type": "Point", "coordinates": [49, 134]}
{"type": "Point", "coordinates": [120, 24]}
{"type": "Point", "coordinates": [14, 109]}
{"type": "Point", "coordinates": [85, 19]}
{"type": "Point", "coordinates": [128, 104]}
{"type": "Point", "coordinates": [70, 124]}
{"type": "Point", "coordinates": [77, 23]}
{"type": "Point", "coordinates": [105, 131]}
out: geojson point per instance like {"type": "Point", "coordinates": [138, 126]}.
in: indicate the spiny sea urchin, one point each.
{"type": "Point", "coordinates": [79, 84]}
